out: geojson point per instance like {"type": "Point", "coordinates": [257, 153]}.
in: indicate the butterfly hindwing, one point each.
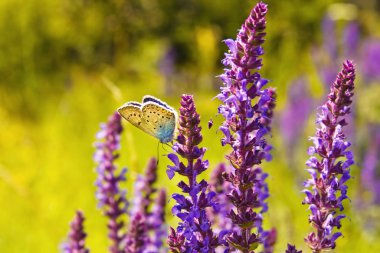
{"type": "Point", "coordinates": [161, 119]}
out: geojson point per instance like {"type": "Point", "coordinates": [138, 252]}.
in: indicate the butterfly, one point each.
{"type": "Point", "coordinates": [152, 116]}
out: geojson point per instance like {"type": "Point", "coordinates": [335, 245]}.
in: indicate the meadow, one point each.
{"type": "Point", "coordinates": [66, 66]}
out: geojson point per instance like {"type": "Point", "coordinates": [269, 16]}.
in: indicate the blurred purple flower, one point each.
{"type": "Point", "coordinates": [153, 229]}
{"type": "Point", "coordinates": [270, 240]}
{"type": "Point", "coordinates": [326, 189]}
{"type": "Point", "coordinates": [111, 198]}
{"type": "Point", "coordinates": [244, 127]}
{"type": "Point", "coordinates": [351, 38]}
{"type": "Point", "coordinates": [371, 166]}
{"type": "Point", "coordinates": [167, 68]}
{"type": "Point", "coordinates": [156, 224]}
{"type": "Point", "coordinates": [221, 187]}
{"type": "Point", "coordinates": [329, 36]}
{"type": "Point", "coordinates": [292, 249]}
{"type": "Point", "coordinates": [194, 232]}
{"type": "Point", "coordinates": [144, 189]}
{"type": "Point", "coordinates": [138, 198]}
{"type": "Point", "coordinates": [77, 236]}
{"type": "Point", "coordinates": [295, 114]}
{"type": "Point", "coordinates": [218, 215]}
{"type": "Point", "coordinates": [328, 57]}
{"type": "Point", "coordinates": [367, 57]}
{"type": "Point", "coordinates": [137, 235]}
{"type": "Point", "coordinates": [167, 62]}
{"type": "Point", "coordinates": [370, 60]}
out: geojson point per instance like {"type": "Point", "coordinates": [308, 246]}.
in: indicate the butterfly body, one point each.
{"type": "Point", "coordinates": [152, 116]}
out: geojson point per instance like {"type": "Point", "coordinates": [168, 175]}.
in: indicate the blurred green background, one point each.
{"type": "Point", "coordinates": [66, 65]}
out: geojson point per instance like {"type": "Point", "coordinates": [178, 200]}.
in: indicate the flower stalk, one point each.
{"type": "Point", "coordinates": [77, 236]}
{"type": "Point", "coordinates": [247, 109]}
{"type": "Point", "coordinates": [194, 233]}
{"type": "Point", "coordinates": [329, 164]}
{"type": "Point", "coordinates": [147, 229]}
{"type": "Point", "coordinates": [111, 198]}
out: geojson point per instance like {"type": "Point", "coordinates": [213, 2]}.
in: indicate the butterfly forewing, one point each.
{"type": "Point", "coordinates": [146, 99]}
{"type": "Point", "coordinates": [132, 112]}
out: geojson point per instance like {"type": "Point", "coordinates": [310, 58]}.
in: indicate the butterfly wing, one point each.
{"type": "Point", "coordinates": [160, 119]}
{"type": "Point", "coordinates": [148, 98]}
{"type": "Point", "coordinates": [131, 111]}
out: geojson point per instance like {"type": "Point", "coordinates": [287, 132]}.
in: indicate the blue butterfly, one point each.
{"type": "Point", "coordinates": [152, 116]}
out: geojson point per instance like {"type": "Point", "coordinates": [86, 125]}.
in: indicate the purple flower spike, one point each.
{"type": "Point", "coordinates": [369, 177]}
{"type": "Point", "coordinates": [194, 233]}
{"type": "Point", "coordinates": [371, 63]}
{"type": "Point", "coordinates": [76, 238]}
{"type": "Point", "coordinates": [329, 170]}
{"type": "Point", "coordinates": [295, 114]}
{"type": "Point", "coordinates": [136, 239]}
{"type": "Point", "coordinates": [147, 215]}
{"type": "Point", "coordinates": [144, 189]}
{"type": "Point", "coordinates": [351, 39]}
{"type": "Point", "coordinates": [111, 198]}
{"type": "Point", "coordinates": [221, 188]}
{"type": "Point", "coordinates": [329, 34]}
{"type": "Point", "coordinates": [270, 238]}
{"type": "Point", "coordinates": [247, 109]}
{"type": "Point", "coordinates": [157, 224]}
{"type": "Point", "coordinates": [292, 249]}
